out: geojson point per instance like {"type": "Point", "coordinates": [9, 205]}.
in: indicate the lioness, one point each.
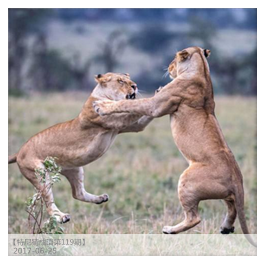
{"type": "Point", "coordinates": [80, 141]}
{"type": "Point", "coordinates": [213, 172]}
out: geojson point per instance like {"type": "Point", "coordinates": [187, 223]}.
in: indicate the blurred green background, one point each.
{"type": "Point", "coordinates": [62, 49]}
{"type": "Point", "coordinates": [53, 57]}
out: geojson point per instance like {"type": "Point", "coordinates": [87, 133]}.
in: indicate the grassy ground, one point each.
{"type": "Point", "coordinates": [140, 172]}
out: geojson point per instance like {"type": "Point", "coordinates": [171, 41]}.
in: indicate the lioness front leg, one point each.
{"type": "Point", "coordinates": [157, 106]}
{"type": "Point", "coordinates": [76, 178]}
{"type": "Point", "coordinates": [138, 126]}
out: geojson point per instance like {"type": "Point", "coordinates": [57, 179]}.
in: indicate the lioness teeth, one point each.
{"type": "Point", "coordinates": [132, 96]}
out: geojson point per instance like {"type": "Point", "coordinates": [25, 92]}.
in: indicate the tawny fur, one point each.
{"type": "Point", "coordinates": [213, 172]}
{"type": "Point", "coordinates": [80, 141]}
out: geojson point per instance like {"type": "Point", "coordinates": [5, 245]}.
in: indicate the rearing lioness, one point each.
{"type": "Point", "coordinates": [213, 172]}
{"type": "Point", "coordinates": [80, 141]}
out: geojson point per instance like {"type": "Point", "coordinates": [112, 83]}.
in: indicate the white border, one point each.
{"type": "Point", "coordinates": [127, 4]}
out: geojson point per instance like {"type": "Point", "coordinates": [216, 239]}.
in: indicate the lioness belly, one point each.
{"type": "Point", "coordinates": [92, 151]}
{"type": "Point", "coordinates": [72, 150]}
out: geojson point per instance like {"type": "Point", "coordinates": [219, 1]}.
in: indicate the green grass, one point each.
{"type": "Point", "coordinates": [140, 171]}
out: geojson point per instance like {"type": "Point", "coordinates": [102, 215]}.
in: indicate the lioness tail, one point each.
{"type": "Point", "coordinates": [239, 203]}
{"type": "Point", "coordinates": [12, 159]}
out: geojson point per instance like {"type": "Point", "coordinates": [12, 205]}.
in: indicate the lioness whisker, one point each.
{"type": "Point", "coordinates": [139, 95]}
{"type": "Point", "coordinates": [165, 74]}
{"type": "Point", "coordinates": [141, 90]}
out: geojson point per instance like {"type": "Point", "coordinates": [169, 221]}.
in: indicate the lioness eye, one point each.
{"type": "Point", "coordinates": [120, 81]}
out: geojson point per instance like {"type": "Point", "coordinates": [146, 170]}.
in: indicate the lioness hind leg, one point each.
{"type": "Point", "coordinates": [192, 218]}
{"type": "Point", "coordinates": [29, 174]}
{"type": "Point", "coordinates": [76, 178]}
{"type": "Point", "coordinates": [189, 203]}
{"type": "Point", "coordinates": [227, 226]}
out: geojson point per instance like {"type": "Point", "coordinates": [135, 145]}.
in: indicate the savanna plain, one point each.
{"type": "Point", "coordinates": [140, 171]}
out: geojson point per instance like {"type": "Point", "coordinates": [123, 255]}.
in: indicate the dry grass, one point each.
{"type": "Point", "coordinates": [140, 171]}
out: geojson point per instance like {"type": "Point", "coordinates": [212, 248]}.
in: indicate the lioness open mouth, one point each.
{"type": "Point", "coordinates": [131, 96]}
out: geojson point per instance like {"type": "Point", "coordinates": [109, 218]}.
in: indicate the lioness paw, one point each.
{"type": "Point", "coordinates": [103, 198]}
{"type": "Point", "coordinates": [62, 218]}
{"type": "Point", "coordinates": [100, 107]}
{"type": "Point", "coordinates": [225, 230]}
{"type": "Point", "coordinates": [167, 230]}
{"type": "Point", "coordinates": [66, 218]}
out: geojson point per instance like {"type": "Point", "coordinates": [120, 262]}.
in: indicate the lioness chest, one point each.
{"type": "Point", "coordinates": [194, 134]}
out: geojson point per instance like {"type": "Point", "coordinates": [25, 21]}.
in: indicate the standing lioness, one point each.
{"type": "Point", "coordinates": [213, 172]}
{"type": "Point", "coordinates": [80, 141]}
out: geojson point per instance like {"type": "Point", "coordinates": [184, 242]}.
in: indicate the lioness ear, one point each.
{"type": "Point", "coordinates": [206, 53]}
{"type": "Point", "coordinates": [102, 78]}
{"type": "Point", "coordinates": [181, 56]}
{"type": "Point", "coordinates": [128, 75]}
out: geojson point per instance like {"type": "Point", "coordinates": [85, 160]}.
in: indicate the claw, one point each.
{"type": "Point", "coordinates": [157, 91]}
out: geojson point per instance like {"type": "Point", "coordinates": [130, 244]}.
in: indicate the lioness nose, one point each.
{"type": "Point", "coordinates": [134, 86]}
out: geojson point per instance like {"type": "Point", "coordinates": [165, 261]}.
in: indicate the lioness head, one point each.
{"type": "Point", "coordinates": [182, 60]}
{"type": "Point", "coordinates": [115, 86]}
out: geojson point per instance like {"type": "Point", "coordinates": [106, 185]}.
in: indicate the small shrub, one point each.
{"type": "Point", "coordinates": [48, 176]}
